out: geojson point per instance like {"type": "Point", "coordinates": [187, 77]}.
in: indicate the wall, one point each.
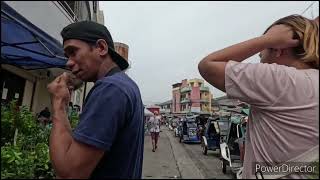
{"type": "Point", "coordinates": [195, 97]}
{"type": "Point", "coordinates": [176, 100]}
{"type": "Point", "coordinates": [27, 95]}
{"type": "Point", "coordinates": [122, 49]}
{"type": "Point", "coordinates": [100, 17]}
{"type": "Point", "coordinates": [196, 82]}
{"type": "Point", "coordinates": [42, 96]}
{"type": "Point", "coordinates": [38, 12]}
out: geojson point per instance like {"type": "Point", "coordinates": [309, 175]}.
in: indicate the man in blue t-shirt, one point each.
{"type": "Point", "coordinates": [108, 141]}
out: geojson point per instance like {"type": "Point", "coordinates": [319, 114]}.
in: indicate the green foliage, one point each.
{"type": "Point", "coordinates": [7, 124]}
{"type": "Point", "coordinates": [74, 119]}
{"type": "Point", "coordinates": [15, 163]}
{"type": "Point", "coordinates": [29, 158]}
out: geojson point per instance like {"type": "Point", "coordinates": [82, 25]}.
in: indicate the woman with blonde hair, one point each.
{"type": "Point", "coordinates": [283, 91]}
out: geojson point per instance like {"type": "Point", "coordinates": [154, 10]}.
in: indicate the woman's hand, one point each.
{"type": "Point", "coordinates": [280, 37]}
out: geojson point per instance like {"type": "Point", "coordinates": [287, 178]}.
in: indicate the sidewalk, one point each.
{"type": "Point", "coordinates": [160, 164]}
{"type": "Point", "coordinates": [186, 166]}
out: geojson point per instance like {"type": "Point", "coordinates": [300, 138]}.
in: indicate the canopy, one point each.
{"type": "Point", "coordinates": [246, 111]}
{"type": "Point", "coordinates": [236, 119]}
{"type": "Point", "coordinates": [25, 45]}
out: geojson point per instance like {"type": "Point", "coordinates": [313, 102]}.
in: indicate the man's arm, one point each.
{"type": "Point", "coordinates": [70, 159]}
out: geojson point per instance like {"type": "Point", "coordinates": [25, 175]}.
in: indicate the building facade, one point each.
{"type": "Point", "coordinates": [191, 96]}
{"type": "Point", "coordinates": [165, 107]}
{"type": "Point", "coordinates": [29, 85]}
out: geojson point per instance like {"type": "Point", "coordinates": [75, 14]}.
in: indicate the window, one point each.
{"type": "Point", "coordinates": [12, 87]}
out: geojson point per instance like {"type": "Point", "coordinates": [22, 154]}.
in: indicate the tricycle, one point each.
{"type": "Point", "coordinates": [189, 131]}
{"type": "Point", "coordinates": [232, 149]}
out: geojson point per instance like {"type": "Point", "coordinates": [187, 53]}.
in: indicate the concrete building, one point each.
{"type": "Point", "coordinates": [28, 82]}
{"type": "Point", "coordinates": [122, 49]}
{"type": "Point", "coordinates": [191, 96]}
{"type": "Point", "coordinates": [165, 107]}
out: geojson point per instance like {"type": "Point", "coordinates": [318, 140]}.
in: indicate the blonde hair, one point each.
{"type": "Point", "coordinates": [307, 31]}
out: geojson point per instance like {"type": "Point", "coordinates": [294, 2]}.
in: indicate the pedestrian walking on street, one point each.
{"type": "Point", "coordinates": [109, 139]}
{"type": "Point", "coordinates": [154, 122]}
{"type": "Point", "coordinates": [283, 91]}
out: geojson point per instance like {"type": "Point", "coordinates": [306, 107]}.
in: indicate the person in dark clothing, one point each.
{"type": "Point", "coordinates": [109, 139]}
{"type": "Point", "coordinates": [44, 116]}
{"type": "Point", "coordinates": [45, 113]}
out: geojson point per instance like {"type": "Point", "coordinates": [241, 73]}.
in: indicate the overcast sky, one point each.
{"type": "Point", "coordinates": [167, 40]}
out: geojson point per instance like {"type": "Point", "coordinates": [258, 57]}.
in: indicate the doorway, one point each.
{"type": "Point", "coordinates": [12, 87]}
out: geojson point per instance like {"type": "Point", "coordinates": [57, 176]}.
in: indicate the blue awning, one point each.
{"type": "Point", "coordinates": [25, 45]}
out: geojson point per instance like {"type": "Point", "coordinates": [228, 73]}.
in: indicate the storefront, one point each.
{"type": "Point", "coordinates": [29, 59]}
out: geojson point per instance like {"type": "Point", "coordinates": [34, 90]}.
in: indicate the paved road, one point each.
{"type": "Point", "coordinates": [209, 165]}
{"type": "Point", "coordinates": [160, 164]}
{"type": "Point", "coordinates": [178, 160]}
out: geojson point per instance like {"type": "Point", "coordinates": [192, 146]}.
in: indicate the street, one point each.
{"type": "Point", "coordinates": [175, 160]}
{"type": "Point", "coordinates": [159, 164]}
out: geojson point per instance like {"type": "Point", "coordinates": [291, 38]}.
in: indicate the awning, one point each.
{"type": "Point", "coordinates": [147, 112]}
{"type": "Point", "coordinates": [246, 111]}
{"type": "Point", "coordinates": [25, 45]}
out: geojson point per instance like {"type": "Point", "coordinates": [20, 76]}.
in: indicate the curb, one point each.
{"type": "Point", "coordinates": [186, 167]}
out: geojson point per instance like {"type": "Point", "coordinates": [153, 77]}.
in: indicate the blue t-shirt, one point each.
{"type": "Point", "coordinates": [112, 120]}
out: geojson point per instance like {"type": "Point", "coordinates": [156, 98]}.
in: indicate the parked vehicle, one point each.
{"type": "Point", "coordinates": [232, 149]}
{"type": "Point", "coordinates": [211, 137]}
{"type": "Point", "coordinates": [189, 131]}
{"type": "Point", "coordinates": [178, 128]}
{"type": "Point", "coordinates": [173, 123]}
{"type": "Point", "coordinates": [215, 131]}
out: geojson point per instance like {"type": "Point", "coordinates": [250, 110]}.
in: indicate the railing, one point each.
{"type": "Point", "coordinates": [205, 111]}
{"type": "Point", "coordinates": [185, 100]}
{"type": "Point", "coordinates": [312, 11]}
{"type": "Point", "coordinates": [69, 10]}
{"type": "Point", "coordinates": [204, 88]}
{"type": "Point", "coordinates": [185, 89]}
{"type": "Point", "coordinates": [204, 100]}
{"type": "Point", "coordinates": [185, 111]}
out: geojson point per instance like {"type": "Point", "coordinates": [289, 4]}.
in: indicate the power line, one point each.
{"type": "Point", "coordinates": [307, 8]}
